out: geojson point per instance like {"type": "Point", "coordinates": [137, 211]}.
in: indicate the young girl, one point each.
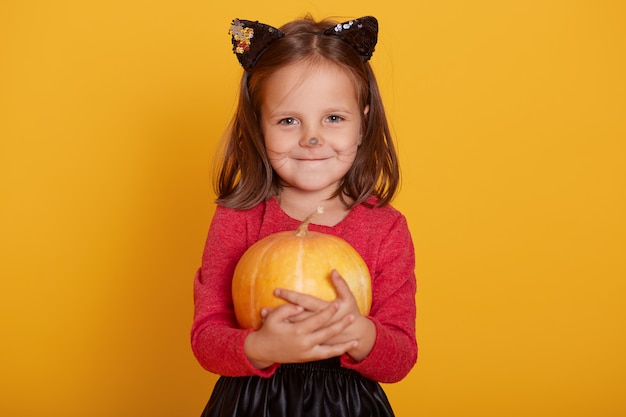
{"type": "Point", "coordinates": [310, 130]}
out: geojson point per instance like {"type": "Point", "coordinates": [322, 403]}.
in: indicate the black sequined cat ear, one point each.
{"type": "Point", "coordinates": [250, 39]}
{"type": "Point", "coordinates": [361, 33]}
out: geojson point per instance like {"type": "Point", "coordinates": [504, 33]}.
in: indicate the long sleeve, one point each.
{"type": "Point", "coordinates": [216, 340]}
{"type": "Point", "coordinates": [393, 305]}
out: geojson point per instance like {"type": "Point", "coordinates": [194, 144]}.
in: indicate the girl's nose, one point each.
{"type": "Point", "coordinates": [312, 142]}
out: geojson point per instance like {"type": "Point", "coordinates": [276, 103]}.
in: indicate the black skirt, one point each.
{"type": "Point", "coordinates": [313, 389]}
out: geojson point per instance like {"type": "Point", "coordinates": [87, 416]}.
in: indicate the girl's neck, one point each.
{"type": "Point", "coordinates": [299, 205]}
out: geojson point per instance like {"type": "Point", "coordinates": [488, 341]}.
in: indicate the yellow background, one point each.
{"type": "Point", "coordinates": [509, 118]}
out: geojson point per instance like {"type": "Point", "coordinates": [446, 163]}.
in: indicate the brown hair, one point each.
{"type": "Point", "coordinates": [246, 177]}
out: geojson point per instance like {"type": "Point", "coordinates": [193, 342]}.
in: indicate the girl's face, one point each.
{"type": "Point", "coordinates": [311, 123]}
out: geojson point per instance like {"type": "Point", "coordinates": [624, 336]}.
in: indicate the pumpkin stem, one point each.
{"type": "Point", "coordinates": [303, 229]}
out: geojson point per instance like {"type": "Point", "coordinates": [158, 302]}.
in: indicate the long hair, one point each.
{"type": "Point", "coordinates": [246, 177]}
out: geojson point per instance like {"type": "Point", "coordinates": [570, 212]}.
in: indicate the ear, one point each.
{"type": "Point", "coordinates": [361, 33]}
{"type": "Point", "coordinates": [250, 39]}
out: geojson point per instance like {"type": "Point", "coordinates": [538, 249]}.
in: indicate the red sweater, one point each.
{"type": "Point", "coordinates": [382, 238]}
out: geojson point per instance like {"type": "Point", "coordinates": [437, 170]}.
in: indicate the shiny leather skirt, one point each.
{"type": "Point", "coordinates": [313, 389]}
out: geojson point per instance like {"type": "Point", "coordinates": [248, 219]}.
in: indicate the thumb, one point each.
{"type": "Point", "coordinates": [340, 284]}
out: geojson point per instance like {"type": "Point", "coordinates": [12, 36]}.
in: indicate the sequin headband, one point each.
{"type": "Point", "coordinates": [250, 39]}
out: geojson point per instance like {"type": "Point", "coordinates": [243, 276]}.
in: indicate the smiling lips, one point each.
{"type": "Point", "coordinates": [310, 157]}
{"type": "Point", "coordinates": [320, 159]}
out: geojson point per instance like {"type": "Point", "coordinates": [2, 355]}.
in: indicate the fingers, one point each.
{"type": "Point", "coordinates": [313, 338]}
{"type": "Point", "coordinates": [329, 351]}
{"type": "Point", "coordinates": [341, 286]}
{"type": "Point", "coordinates": [321, 320]}
{"type": "Point", "coordinates": [316, 344]}
{"type": "Point", "coordinates": [344, 294]}
{"type": "Point", "coordinates": [282, 313]}
{"type": "Point", "coordinates": [313, 303]}
{"type": "Point", "coordinates": [318, 326]}
{"type": "Point", "coordinates": [307, 301]}
{"type": "Point", "coordinates": [327, 328]}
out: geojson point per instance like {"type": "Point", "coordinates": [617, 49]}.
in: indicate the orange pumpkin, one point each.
{"type": "Point", "coordinates": [301, 261]}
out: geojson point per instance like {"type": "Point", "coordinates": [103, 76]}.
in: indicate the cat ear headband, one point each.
{"type": "Point", "coordinates": [250, 39]}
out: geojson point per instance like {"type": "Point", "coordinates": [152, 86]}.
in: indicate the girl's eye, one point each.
{"type": "Point", "coordinates": [288, 121]}
{"type": "Point", "coordinates": [334, 118]}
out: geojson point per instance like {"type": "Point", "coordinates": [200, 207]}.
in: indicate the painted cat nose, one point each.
{"type": "Point", "coordinates": [312, 142]}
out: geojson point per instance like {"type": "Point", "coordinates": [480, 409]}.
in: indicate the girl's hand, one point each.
{"type": "Point", "coordinates": [283, 339]}
{"type": "Point", "coordinates": [360, 329]}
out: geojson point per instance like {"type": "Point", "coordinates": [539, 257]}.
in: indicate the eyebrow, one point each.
{"type": "Point", "coordinates": [288, 112]}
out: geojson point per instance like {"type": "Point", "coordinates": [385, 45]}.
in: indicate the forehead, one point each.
{"type": "Point", "coordinates": [310, 78]}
